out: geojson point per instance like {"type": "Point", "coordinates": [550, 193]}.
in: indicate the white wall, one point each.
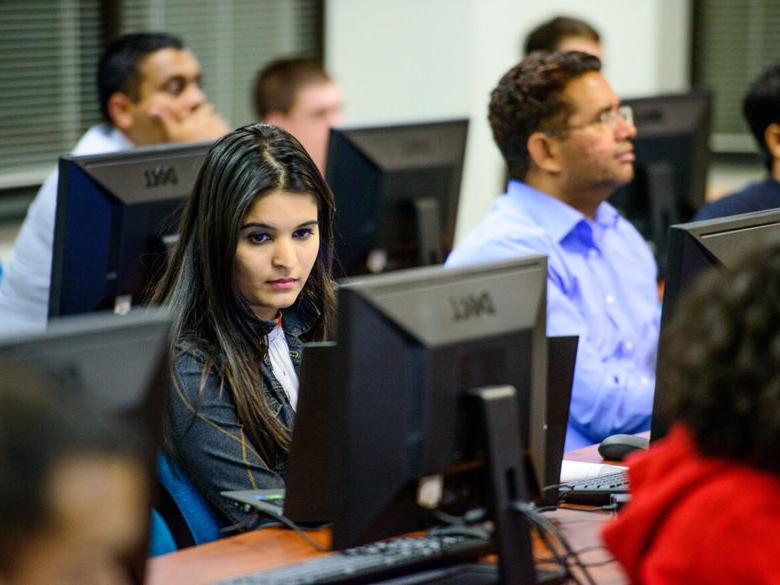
{"type": "Point", "coordinates": [407, 60]}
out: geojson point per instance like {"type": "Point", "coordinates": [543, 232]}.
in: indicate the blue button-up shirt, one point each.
{"type": "Point", "coordinates": [601, 286]}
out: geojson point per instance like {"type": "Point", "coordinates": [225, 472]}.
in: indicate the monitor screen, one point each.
{"type": "Point", "coordinates": [699, 246]}
{"type": "Point", "coordinates": [672, 160]}
{"type": "Point", "coordinates": [397, 191]}
{"type": "Point", "coordinates": [116, 364]}
{"type": "Point", "coordinates": [411, 345]}
{"type": "Point", "coordinates": [116, 215]}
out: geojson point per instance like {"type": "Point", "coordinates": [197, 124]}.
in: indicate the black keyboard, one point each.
{"type": "Point", "coordinates": [374, 562]}
{"type": "Point", "coordinates": [594, 491]}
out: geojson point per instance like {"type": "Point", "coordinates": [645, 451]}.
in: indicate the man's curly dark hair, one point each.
{"type": "Point", "coordinates": [721, 362]}
{"type": "Point", "coordinates": [761, 107]}
{"type": "Point", "coordinates": [529, 98]}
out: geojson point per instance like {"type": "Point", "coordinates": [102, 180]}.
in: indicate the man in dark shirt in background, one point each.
{"type": "Point", "coordinates": [761, 108]}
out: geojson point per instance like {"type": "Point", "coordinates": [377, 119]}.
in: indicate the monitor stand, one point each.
{"type": "Point", "coordinates": [498, 410]}
{"type": "Point", "coordinates": [427, 215]}
{"type": "Point", "coordinates": [663, 212]}
{"type": "Point", "coordinates": [498, 414]}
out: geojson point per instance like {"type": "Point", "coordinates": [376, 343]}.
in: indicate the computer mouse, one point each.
{"type": "Point", "coordinates": [616, 447]}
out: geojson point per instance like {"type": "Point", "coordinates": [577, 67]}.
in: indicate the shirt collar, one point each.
{"type": "Point", "coordinates": [116, 136]}
{"type": "Point", "coordinates": [556, 217]}
{"type": "Point", "coordinates": [296, 320]}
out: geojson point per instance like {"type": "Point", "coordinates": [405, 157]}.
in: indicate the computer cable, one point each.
{"type": "Point", "coordinates": [556, 556]}
{"type": "Point", "coordinates": [545, 526]}
{"type": "Point", "coordinates": [587, 549]}
{"type": "Point", "coordinates": [599, 563]}
{"type": "Point", "coordinates": [480, 516]}
{"type": "Point", "coordinates": [455, 525]}
{"type": "Point", "coordinates": [472, 521]}
{"type": "Point", "coordinates": [555, 486]}
{"type": "Point", "coordinates": [562, 561]}
{"type": "Point", "coordinates": [274, 512]}
{"type": "Point", "coordinates": [571, 554]}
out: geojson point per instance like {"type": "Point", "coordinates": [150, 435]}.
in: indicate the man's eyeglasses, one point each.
{"type": "Point", "coordinates": [608, 118]}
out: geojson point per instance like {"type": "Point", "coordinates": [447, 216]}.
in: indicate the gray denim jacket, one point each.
{"type": "Point", "coordinates": [207, 439]}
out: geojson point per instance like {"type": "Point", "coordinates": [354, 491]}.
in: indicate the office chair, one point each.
{"type": "Point", "coordinates": [189, 517]}
{"type": "Point", "coordinates": [161, 541]}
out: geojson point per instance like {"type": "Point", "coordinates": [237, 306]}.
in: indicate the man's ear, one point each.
{"type": "Point", "coordinates": [772, 140]}
{"type": "Point", "coordinates": [120, 110]}
{"type": "Point", "coordinates": [544, 152]}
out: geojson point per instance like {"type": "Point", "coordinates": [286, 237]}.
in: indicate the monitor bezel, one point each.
{"type": "Point", "coordinates": [361, 291]}
{"type": "Point", "coordinates": [140, 180]}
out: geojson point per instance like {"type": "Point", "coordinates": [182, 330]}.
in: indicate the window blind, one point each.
{"type": "Point", "coordinates": [48, 56]}
{"type": "Point", "coordinates": [733, 43]}
{"type": "Point", "coordinates": [49, 51]}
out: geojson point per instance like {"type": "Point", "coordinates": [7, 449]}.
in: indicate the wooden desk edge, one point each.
{"type": "Point", "coordinates": [274, 547]}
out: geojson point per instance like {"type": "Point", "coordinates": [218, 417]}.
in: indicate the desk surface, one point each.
{"type": "Point", "coordinates": [274, 547]}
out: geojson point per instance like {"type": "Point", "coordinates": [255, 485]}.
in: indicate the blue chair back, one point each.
{"type": "Point", "coordinates": [161, 541]}
{"type": "Point", "coordinates": [188, 515]}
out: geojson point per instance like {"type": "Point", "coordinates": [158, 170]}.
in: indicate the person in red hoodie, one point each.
{"type": "Point", "coordinates": [705, 504]}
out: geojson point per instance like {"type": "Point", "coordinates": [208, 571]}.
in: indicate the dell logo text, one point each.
{"type": "Point", "coordinates": [160, 176]}
{"type": "Point", "coordinates": [471, 306]}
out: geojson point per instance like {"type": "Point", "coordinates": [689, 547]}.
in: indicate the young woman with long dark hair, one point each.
{"type": "Point", "coordinates": [249, 281]}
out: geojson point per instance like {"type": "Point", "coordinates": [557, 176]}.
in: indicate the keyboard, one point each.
{"type": "Point", "coordinates": [374, 562]}
{"type": "Point", "coordinates": [594, 491]}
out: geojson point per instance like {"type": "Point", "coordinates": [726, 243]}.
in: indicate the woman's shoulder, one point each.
{"type": "Point", "coordinates": [191, 354]}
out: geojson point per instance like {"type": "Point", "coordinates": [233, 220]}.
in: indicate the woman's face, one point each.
{"type": "Point", "coordinates": [278, 243]}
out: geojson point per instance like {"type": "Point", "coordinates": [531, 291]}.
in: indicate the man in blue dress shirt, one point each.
{"type": "Point", "coordinates": [568, 145]}
{"type": "Point", "coordinates": [761, 107]}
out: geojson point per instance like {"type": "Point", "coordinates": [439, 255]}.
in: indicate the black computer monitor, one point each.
{"type": "Point", "coordinates": [694, 248]}
{"type": "Point", "coordinates": [117, 214]}
{"type": "Point", "coordinates": [117, 365]}
{"type": "Point", "coordinates": [411, 347]}
{"type": "Point", "coordinates": [397, 191]}
{"type": "Point", "coordinates": [672, 160]}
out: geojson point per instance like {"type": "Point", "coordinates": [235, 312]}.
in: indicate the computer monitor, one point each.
{"type": "Point", "coordinates": [672, 160]}
{"type": "Point", "coordinates": [694, 248]}
{"type": "Point", "coordinates": [411, 346]}
{"type": "Point", "coordinates": [117, 214]}
{"type": "Point", "coordinates": [116, 364]}
{"type": "Point", "coordinates": [397, 191]}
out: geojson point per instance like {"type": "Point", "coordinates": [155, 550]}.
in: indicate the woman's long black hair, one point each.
{"type": "Point", "coordinates": [198, 286]}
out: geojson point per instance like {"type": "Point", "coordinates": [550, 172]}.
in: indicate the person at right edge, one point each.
{"type": "Point", "coordinates": [705, 505]}
{"type": "Point", "coordinates": [761, 108]}
{"type": "Point", "coordinates": [567, 141]}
